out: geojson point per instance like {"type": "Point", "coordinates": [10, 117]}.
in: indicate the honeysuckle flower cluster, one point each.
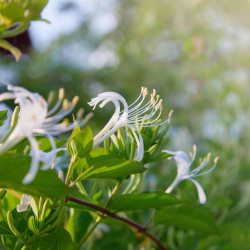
{"type": "Point", "coordinates": [184, 163]}
{"type": "Point", "coordinates": [34, 118]}
{"type": "Point", "coordinates": [139, 114]}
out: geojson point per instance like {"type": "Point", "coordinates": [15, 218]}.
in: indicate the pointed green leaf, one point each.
{"type": "Point", "coordinates": [112, 169]}
{"type": "Point", "coordinates": [128, 202]}
{"type": "Point", "coordinates": [82, 143]}
{"type": "Point", "coordinates": [96, 155]}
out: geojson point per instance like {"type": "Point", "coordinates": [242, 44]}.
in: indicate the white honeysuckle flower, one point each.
{"type": "Point", "coordinates": [134, 116]}
{"type": "Point", "coordinates": [34, 119]}
{"type": "Point", "coordinates": [184, 162]}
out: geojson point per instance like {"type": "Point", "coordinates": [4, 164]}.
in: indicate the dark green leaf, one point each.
{"type": "Point", "coordinates": [96, 155]}
{"type": "Point", "coordinates": [81, 143]}
{"type": "Point", "coordinates": [3, 116]}
{"type": "Point", "coordinates": [5, 230]}
{"type": "Point", "coordinates": [60, 239]}
{"type": "Point", "coordinates": [78, 224]}
{"type": "Point", "coordinates": [112, 169]}
{"type": "Point", "coordinates": [13, 169]}
{"type": "Point", "coordinates": [187, 217]}
{"type": "Point", "coordinates": [129, 202]}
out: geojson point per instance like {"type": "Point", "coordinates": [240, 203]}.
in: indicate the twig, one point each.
{"type": "Point", "coordinates": [132, 223]}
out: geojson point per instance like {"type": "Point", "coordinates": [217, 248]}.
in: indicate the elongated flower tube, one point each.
{"type": "Point", "coordinates": [34, 119]}
{"type": "Point", "coordinates": [140, 113]}
{"type": "Point", "coordinates": [184, 162]}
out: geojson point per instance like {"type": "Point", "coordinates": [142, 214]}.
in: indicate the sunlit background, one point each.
{"type": "Point", "coordinates": [194, 53]}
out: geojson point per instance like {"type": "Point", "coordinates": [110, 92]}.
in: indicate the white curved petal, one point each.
{"type": "Point", "coordinates": [201, 193]}
{"type": "Point", "coordinates": [183, 162]}
{"type": "Point", "coordinates": [34, 162]}
{"type": "Point", "coordinates": [140, 144]}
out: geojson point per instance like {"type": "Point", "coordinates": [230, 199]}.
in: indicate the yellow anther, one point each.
{"type": "Point", "coordinates": [191, 154]}
{"type": "Point", "coordinates": [154, 92]}
{"type": "Point", "coordinates": [170, 113]}
{"type": "Point", "coordinates": [66, 104]}
{"type": "Point", "coordinates": [75, 100]}
{"type": "Point", "coordinates": [145, 91]}
{"type": "Point", "coordinates": [80, 113]}
{"type": "Point", "coordinates": [142, 90]}
{"type": "Point", "coordinates": [65, 123]}
{"type": "Point", "coordinates": [216, 159]}
{"type": "Point", "coordinates": [208, 155]}
{"type": "Point", "coordinates": [153, 100]}
{"type": "Point", "coordinates": [51, 96]}
{"type": "Point", "coordinates": [61, 93]}
{"type": "Point", "coordinates": [89, 116]}
{"type": "Point", "coordinates": [158, 104]}
{"type": "Point", "coordinates": [194, 148]}
{"type": "Point", "coordinates": [41, 101]}
{"type": "Point", "coordinates": [60, 174]}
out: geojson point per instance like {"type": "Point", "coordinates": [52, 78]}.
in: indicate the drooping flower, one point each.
{"type": "Point", "coordinates": [184, 163]}
{"type": "Point", "coordinates": [134, 116]}
{"type": "Point", "coordinates": [34, 118]}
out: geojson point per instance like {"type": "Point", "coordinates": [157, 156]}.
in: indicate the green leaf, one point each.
{"type": "Point", "coordinates": [78, 224]}
{"type": "Point", "coordinates": [81, 143]}
{"type": "Point", "coordinates": [13, 50]}
{"type": "Point", "coordinates": [35, 8]}
{"type": "Point", "coordinates": [96, 155]}
{"type": "Point", "coordinates": [3, 116]}
{"type": "Point", "coordinates": [5, 230]}
{"type": "Point", "coordinates": [137, 201]}
{"type": "Point", "coordinates": [112, 169]}
{"type": "Point", "coordinates": [60, 239]}
{"type": "Point", "coordinates": [74, 132]}
{"type": "Point", "coordinates": [13, 169]}
{"type": "Point", "coordinates": [187, 217]}
{"type": "Point", "coordinates": [13, 12]}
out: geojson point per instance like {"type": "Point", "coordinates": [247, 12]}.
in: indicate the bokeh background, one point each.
{"type": "Point", "coordinates": [194, 53]}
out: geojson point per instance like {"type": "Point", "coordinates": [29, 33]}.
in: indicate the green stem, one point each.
{"type": "Point", "coordinates": [69, 169]}
{"type": "Point", "coordinates": [99, 218]}
{"type": "Point", "coordinates": [86, 236]}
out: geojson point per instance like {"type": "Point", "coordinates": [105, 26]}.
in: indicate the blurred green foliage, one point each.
{"type": "Point", "coordinates": [195, 54]}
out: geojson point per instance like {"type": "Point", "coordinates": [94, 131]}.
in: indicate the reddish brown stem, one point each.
{"type": "Point", "coordinates": [132, 223]}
